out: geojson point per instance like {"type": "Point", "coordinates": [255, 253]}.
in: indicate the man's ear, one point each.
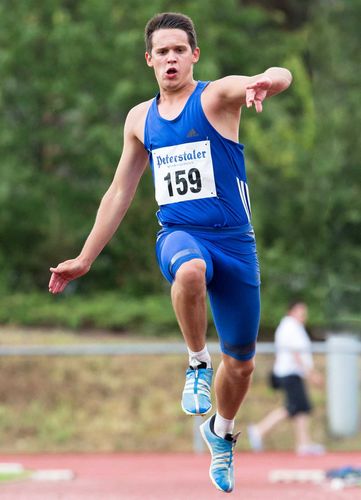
{"type": "Point", "coordinates": [196, 54]}
{"type": "Point", "coordinates": [148, 58]}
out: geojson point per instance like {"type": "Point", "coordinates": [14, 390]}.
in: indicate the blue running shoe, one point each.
{"type": "Point", "coordinates": [221, 469]}
{"type": "Point", "coordinates": [196, 397]}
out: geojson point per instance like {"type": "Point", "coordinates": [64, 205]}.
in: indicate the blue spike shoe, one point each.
{"type": "Point", "coordinates": [196, 397]}
{"type": "Point", "coordinates": [221, 468]}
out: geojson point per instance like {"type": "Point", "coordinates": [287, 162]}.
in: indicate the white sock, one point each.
{"type": "Point", "coordinates": [198, 357]}
{"type": "Point", "coordinates": [223, 426]}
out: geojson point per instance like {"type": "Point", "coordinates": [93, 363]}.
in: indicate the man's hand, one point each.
{"type": "Point", "coordinates": [257, 92]}
{"type": "Point", "coordinates": [316, 378]}
{"type": "Point", "coordinates": [65, 272]}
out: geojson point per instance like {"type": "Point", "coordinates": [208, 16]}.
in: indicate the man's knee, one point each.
{"type": "Point", "coordinates": [191, 275]}
{"type": "Point", "coordinates": [238, 369]}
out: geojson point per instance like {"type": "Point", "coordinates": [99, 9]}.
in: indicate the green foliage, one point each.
{"type": "Point", "coordinates": [336, 160]}
{"type": "Point", "coordinates": [150, 314]}
{"type": "Point", "coordinates": [70, 71]}
{"type": "Point", "coordinates": [120, 313]}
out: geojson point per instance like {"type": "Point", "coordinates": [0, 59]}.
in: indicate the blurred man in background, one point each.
{"type": "Point", "coordinates": [293, 369]}
{"type": "Point", "coordinates": [189, 134]}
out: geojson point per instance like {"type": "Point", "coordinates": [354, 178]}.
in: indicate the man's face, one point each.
{"type": "Point", "coordinates": [171, 57]}
{"type": "Point", "coordinates": [300, 312]}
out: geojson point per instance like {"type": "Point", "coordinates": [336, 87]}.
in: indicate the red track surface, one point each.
{"type": "Point", "coordinates": [172, 477]}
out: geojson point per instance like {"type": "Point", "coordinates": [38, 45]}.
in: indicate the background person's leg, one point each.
{"type": "Point", "coordinates": [304, 443]}
{"type": "Point", "coordinates": [271, 420]}
{"type": "Point", "coordinates": [301, 423]}
{"type": "Point", "coordinates": [257, 432]}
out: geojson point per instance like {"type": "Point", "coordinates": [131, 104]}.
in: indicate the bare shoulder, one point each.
{"type": "Point", "coordinates": [140, 110]}
{"type": "Point", "coordinates": [222, 101]}
{"type": "Point", "coordinates": [135, 121]}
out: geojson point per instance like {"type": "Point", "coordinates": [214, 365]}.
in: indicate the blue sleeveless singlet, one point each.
{"type": "Point", "coordinates": [199, 175]}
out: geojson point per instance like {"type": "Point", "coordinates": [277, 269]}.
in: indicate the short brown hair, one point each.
{"type": "Point", "coordinates": [170, 20]}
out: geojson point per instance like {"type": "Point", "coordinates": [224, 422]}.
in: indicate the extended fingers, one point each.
{"type": "Point", "coordinates": [250, 95]}
{"type": "Point", "coordinates": [258, 105]}
{"type": "Point", "coordinates": [256, 93]}
{"type": "Point", "coordinates": [255, 96]}
{"type": "Point", "coordinates": [63, 270]}
{"type": "Point", "coordinates": [61, 286]}
{"type": "Point", "coordinates": [57, 283]}
{"type": "Point", "coordinates": [52, 281]}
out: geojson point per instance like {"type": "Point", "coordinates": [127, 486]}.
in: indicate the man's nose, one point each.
{"type": "Point", "coordinates": [172, 56]}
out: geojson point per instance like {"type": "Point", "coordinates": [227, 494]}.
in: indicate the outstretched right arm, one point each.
{"type": "Point", "coordinates": [112, 208]}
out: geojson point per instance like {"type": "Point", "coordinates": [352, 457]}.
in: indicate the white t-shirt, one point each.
{"type": "Point", "coordinates": [290, 338]}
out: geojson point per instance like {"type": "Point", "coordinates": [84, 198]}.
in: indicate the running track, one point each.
{"type": "Point", "coordinates": [172, 477]}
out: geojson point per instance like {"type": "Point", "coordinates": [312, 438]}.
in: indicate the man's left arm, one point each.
{"type": "Point", "coordinates": [252, 90]}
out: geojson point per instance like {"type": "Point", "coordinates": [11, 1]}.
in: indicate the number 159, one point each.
{"type": "Point", "coordinates": [183, 181]}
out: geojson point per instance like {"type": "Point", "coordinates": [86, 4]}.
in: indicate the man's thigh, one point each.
{"type": "Point", "coordinates": [177, 247]}
{"type": "Point", "coordinates": [235, 307]}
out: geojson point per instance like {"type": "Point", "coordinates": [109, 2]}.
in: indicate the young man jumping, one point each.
{"type": "Point", "coordinates": [189, 135]}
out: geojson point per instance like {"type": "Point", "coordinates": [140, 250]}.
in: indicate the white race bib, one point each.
{"type": "Point", "coordinates": [183, 172]}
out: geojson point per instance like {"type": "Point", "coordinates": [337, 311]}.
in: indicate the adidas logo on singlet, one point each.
{"type": "Point", "coordinates": [192, 133]}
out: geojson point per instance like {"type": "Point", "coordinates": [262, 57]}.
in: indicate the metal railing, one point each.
{"type": "Point", "coordinates": [130, 348]}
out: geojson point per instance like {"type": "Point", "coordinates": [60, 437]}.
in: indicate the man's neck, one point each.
{"type": "Point", "coordinates": [171, 103]}
{"type": "Point", "coordinates": [174, 95]}
{"type": "Point", "coordinates": [296, 318]}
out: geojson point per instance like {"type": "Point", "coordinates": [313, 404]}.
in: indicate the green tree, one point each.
{"type": "Point", "coordinates": [70, 71]}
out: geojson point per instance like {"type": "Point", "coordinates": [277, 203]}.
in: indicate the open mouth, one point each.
{"type": "Point", "coordinates": [171, 71]}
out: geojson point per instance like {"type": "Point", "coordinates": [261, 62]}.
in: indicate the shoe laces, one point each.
{"type": "Point", "coordinates": [224, 459]}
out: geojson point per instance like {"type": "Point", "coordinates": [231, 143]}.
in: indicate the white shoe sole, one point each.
{"type": "Point", "coordinates": [195, 414]}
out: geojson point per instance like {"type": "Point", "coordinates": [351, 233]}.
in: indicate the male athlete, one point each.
{"type": "Point", "coordinates": [189, 135]}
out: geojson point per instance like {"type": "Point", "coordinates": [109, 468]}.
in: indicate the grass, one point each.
{"type": "Point", "coordinates": [125, 403]}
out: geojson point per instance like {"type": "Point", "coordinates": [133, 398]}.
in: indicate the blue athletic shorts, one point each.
{"type": "Point", "coordinates": [232, 276]}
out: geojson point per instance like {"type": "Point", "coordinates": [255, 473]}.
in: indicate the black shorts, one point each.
{"type": "Point", "coordinates": [296, 397]}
